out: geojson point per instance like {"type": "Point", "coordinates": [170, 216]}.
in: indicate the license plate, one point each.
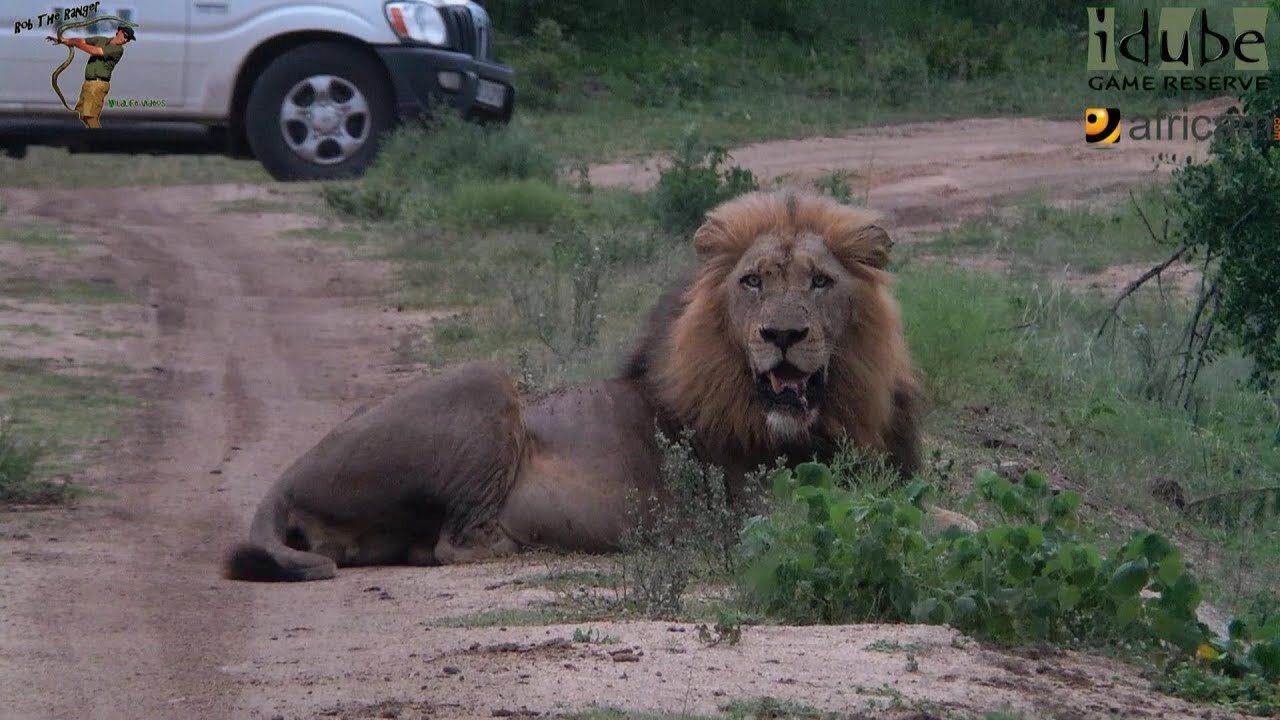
{"type": "Point", "coordinates": [492, 94]}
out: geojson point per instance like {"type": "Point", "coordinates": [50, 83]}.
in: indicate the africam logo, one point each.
{"type": "Point", "coordinates": [1180, 30]}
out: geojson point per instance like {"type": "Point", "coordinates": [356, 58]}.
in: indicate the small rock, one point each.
{"type": "Point", "coordinates": [451, 670]}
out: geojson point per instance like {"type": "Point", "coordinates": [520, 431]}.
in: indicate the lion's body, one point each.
{"type": "Point", "coordinates": [457, 466]}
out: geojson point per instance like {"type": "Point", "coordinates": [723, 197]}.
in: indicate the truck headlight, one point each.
{"type": "Point", "coordinates": [417, 21]}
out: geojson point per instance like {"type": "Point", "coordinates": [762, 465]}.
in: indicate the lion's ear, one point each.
{"type": "Point", "coordinates": [874, 245]}
{"type": "Point", "coordinates": [711, 240]}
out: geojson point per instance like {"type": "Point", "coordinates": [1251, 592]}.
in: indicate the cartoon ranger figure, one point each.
{"type": "Point", "coordinates": [104, 54]}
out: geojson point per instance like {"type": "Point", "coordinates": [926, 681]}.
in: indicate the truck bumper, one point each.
{"type": "Point", "coordinates": [424, 76]}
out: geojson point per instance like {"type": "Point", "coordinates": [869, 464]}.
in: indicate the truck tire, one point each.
{"type": "Point", "coordinates": [318, 112]}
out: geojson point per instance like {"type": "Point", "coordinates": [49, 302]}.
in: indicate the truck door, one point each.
{"type": "Point", "coordinates": [152, 67]}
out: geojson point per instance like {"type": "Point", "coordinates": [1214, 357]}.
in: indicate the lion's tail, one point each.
{"type": "Point", "coordinates": [265, 558]}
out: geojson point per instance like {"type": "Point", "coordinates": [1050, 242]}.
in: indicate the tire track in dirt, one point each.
{"type": "Point", "coordinates": [253, 346]}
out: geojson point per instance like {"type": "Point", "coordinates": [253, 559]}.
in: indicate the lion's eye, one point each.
{"type": "Point", "coordinates": [751, 280]}
{"type": "Point", "coordinates": [822, 281]}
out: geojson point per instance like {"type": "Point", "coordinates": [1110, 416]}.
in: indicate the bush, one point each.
{"type": "Point", "coordinates": [561, 305]}
{"type": "Point", "coordinates": [836, 184]}
{"type": "Point", "coordinates": [958, 50]}
{"type": "Point", "coordinates": [18, 461]}
{"type": "Point", "coordinates": [673, 79]}
{"type": "Point", "coordinates": [688, 531]}
{"type": "Point", "coordinates": [831, 556]}
{"type": "Point", "coordinates": [695, 183]}
{"type": "Point", "coordinates": [547, 67]}
{"type": "Point", "coordinates": [899, 71]}
{"type": "Point", "coordinates": [489, 204]}
{"type": "Point", "coordinates": [422, 161]}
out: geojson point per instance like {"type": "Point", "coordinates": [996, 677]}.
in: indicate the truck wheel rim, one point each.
{"type": "Point", "coordinates": [325, 119]}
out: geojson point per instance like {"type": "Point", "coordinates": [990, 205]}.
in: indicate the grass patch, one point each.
{"type": "Point", "coordinates": [69, 412]}
{"type": "Point", "coordinates": [106, 334]}
{"type": "Point", "coordinates": [613, 713]}
{"type": "Point", "coordinates": [519, 617]}
{"type": "Point", "coordinates": [575, 578]}
{"type": "Point", "coordinates": [39, 235]}
{"type": "Point", "coordinates": [742, 709]}
{"type": "Point", "coordinates": [349, 235]}
{"type": "Point", "coordinates": [51, 167]}
{"type": "Point", "coordinates": [71, 292]}
{"type": "Point", "coordinates": [27, 329]}
{"type": "Point", "coordinates": [769, 707]}
{"type": "Point", "coordinates": [491, 204]}
{"type": "Point", "coordinates": [255, 206]}
{"type": "Point", "coordinates": [19, 483]}
{"type": "Point", "coordinates": [1041, 239]}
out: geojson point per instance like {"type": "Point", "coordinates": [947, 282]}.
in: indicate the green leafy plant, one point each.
{"type": "Point", "coordinates": [836, 184]}
{"type": "Point", "coordinates": [830, 555]}
{"type": "Point", "coordinates": [688, 531]}
{"type": "Point", "coordinates": [695, 182]}
{"type": "Point", "coordinates": [419, 162]}
{"type": "Point", "coordinates": [18, 461]}
{"type": "Point", "coordinates": [547, 67]}
{"type": "Point", "coordinates": [726, 630]}
{"type": "Point", "coordinates": [827, 554]}
{"type": "Point", "coordinates": [592, 636]}
{"type": "Point", "coordinates": [562, 304]}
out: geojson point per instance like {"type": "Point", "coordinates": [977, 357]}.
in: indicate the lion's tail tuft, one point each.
{"type": "Point", "coordinates": [258, 564]}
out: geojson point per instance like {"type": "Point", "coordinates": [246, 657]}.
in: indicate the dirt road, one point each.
{"type": "Point", "coordinates": [925, 175]}
{"type": "Point", "coordinates": [255, 346]}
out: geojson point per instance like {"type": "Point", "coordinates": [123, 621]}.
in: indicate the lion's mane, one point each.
{"type": "Point", "coordinates": [694, 367]}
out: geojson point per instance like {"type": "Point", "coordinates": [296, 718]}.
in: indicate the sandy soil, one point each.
{"type": "Point", "coordinates": [249, 348]}
{"type": "Point", "coordinates": [926, 175]}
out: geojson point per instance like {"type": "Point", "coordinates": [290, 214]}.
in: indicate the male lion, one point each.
{"type": "Point", "coordinates": [783, 341]}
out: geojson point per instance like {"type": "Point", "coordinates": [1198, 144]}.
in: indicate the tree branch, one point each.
{"type": "Point", "coordinates": [1241, 492]}
{"type": "Point", "coordinates": [1132, 287]}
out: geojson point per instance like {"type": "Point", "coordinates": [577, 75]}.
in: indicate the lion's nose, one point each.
{"type": "Point", "coordinates": [783, 338]}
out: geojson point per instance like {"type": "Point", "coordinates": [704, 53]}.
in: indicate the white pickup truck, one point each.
{"type": "Point", "coordinates": [305, 86]}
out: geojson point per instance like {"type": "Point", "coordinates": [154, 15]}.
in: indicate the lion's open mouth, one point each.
{"type": "Point", "coordinates": [786, 388]}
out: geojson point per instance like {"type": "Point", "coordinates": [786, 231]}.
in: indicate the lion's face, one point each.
{"type": "Point", "coordinates": [786, 333]}
{"type": "Point", "coordinates": [788, 304]}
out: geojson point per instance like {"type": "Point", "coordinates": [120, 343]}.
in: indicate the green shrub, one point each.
{"type": "Point", "coordinates": [18, 460]}
{"type": "Point", "coordinates": [561, 304]}
{"type": "Point", "coordinates": [488, 204]}
{"type": "Point", "coordinates": [689, 530]}
{"type": "Point", "coordinates": [1230, 208]}
{"type": "Point", "coordinates": [831, 556]}
{"type": "Point", "coordinates": [673, 79]}
{"type": "Point", "coordinates": [899, 71]}
{"type": "Point", "coordinates": [422, 161]}
{"type": "Point", "coordinates": [695, 182]}
{"type": "Point", "coordinates": [836, 184]}
{"type": "Point", "coordinates": [371, 199]}
{"type": "Point", "coordinates": [958, 50]}
{"type": "Point", "coordinates": [548, 68]}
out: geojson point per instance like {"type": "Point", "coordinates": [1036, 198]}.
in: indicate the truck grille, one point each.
{"type": "Point", "coordinates": [462, 28]}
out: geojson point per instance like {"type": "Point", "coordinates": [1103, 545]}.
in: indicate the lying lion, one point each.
{"type": "Point", "coordinates": [784, 340]}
